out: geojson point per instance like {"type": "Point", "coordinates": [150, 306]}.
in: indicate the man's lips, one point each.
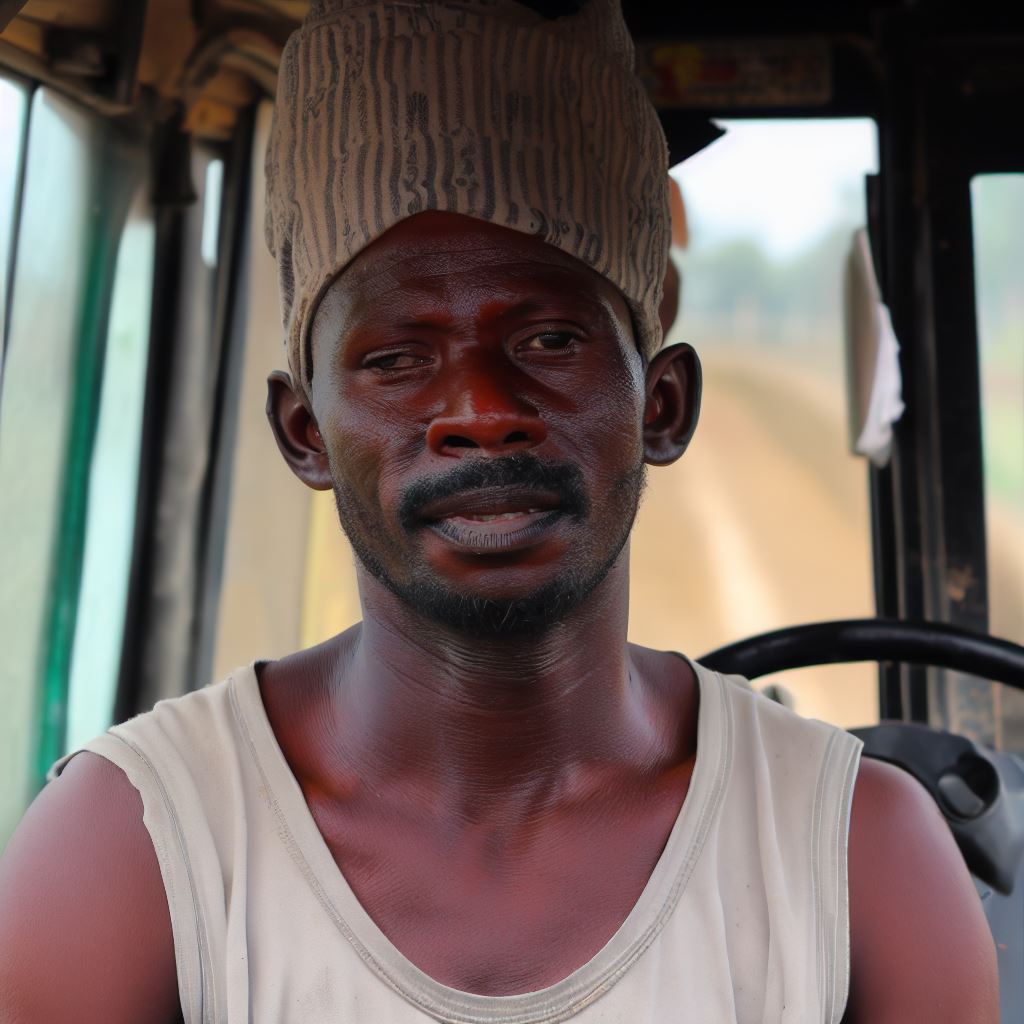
{"type": "Point", "coordinates": [494, 519]}
{"type": "Point", "coordinates": [491, 504]}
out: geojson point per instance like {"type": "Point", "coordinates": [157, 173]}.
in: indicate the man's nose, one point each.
{"type": "Point", "coordinates": [484, 412]}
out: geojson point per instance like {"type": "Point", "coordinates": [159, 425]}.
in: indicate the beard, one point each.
{"type": "Point", "coordinates": [479, 616]}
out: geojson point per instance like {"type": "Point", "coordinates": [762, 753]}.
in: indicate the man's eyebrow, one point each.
{"type": "Point", "coordinates": [528, 307]}
{"type": "Point", "coordinates": [436, 320]}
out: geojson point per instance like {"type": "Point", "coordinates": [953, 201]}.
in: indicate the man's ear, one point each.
{"type": "Point", "coordinates": [296, 432]}
{"type": "Point", "coordinates": [673, 404]}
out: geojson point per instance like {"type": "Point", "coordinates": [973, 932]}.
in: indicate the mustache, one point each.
{"type": "Point", "coordinates": [519, 470]}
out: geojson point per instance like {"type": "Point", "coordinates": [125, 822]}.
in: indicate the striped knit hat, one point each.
{"type": "Point", "coordinates": [479, 107]}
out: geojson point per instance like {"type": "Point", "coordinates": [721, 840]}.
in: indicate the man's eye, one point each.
{"type": "Point", "coordinates": [393, 361]}
{"type": "Point", "coordinates": [548, 341]}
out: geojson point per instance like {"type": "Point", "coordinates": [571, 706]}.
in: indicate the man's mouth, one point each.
{"type": "Point", "coordinates": [486, 504]}
{"type": "Point", "coordinates": [493, 519]}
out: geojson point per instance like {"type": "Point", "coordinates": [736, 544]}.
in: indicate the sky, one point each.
{"type": "Point", "coordinates": [782, 183]}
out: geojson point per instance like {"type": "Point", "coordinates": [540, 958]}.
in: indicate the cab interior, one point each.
{"type": "Point", "coordinates": [152, 538]}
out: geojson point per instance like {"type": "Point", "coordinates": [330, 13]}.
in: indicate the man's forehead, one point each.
{"type": "Point", "coordinates": [448, 243]}
{"type": "Point", "coordinates": [442, 255]}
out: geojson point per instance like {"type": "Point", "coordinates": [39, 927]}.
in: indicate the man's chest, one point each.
{"type": "Point", "coordinates": [494, 910]}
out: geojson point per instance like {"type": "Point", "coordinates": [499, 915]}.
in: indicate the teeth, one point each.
{"type": "Point", "coordinates": [501, 515]}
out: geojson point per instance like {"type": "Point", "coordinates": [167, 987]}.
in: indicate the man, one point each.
{"type": "Point", "coordinates": [482, 803]}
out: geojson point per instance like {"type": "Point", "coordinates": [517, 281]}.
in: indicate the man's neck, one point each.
{"type": "Point", "coordinates": [478, 723]}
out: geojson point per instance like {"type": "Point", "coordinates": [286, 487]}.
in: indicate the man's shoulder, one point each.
{"type": "Point", "coordinates": [920, 946]}
{"type": "Point", "coordinates": [895, 820]}
{"type": "Point", "coordinates": [83, 901]}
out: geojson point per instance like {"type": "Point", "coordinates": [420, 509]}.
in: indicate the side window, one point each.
{"type": "Point", "coordinates": [36, 417]}
{"type": "Point", "coordinates": [998, 208]}
{"type": "Point", "coordinates": [764, 522]}
{"type": "Point", "coordinates": [66, 470]}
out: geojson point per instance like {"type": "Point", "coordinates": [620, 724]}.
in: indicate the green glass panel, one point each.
{"type": "Point", "coordinates": [113, 480]}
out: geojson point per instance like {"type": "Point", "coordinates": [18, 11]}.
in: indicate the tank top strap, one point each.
{"type": "Point", "coordinates": [788, 804]}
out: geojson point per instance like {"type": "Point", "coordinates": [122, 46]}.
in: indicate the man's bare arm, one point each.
{"type": "Point", "coordinates": [85, 933]}
{"type": "Point", "coordinates": [921, 949]}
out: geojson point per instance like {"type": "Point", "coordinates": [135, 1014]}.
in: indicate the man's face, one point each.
{"type": "Point", "coordinates": [480, 398]}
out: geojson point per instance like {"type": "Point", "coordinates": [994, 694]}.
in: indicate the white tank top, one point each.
{"type": "Point", "coordinates": [744, 918]}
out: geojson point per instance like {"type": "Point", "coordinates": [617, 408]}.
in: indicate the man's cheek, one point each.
{"type": "Point", "coordinates": [386, 479]}
{"type": "Point", "coordinates": [355, 466]}
{"type": "Point", "coordinates": [615, 438]}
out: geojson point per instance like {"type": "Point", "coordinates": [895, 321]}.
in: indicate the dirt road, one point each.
{"type": "Point", "coordinates": [762, 524]}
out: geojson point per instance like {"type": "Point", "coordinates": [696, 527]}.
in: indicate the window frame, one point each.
{"type": "Point", "coordinates": [7, 271]}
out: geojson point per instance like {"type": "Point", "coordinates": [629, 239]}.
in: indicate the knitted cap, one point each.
{"type": "Point", "coordinates": [480, 107]}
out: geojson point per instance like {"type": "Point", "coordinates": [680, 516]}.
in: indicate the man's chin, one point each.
{"type": "Point", "coordinates": [494, 617]}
